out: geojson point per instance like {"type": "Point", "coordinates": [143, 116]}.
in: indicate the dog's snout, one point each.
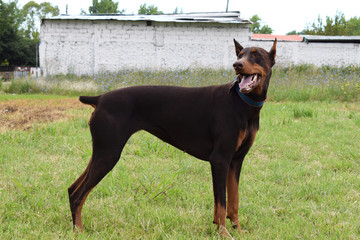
{"type": "Point", "coordinates": [238, 64]}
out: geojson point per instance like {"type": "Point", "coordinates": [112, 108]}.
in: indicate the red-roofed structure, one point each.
{"type": "Point", "coordinates": [270, 37]}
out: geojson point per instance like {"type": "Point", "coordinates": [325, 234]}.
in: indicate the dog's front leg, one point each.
{"type": "Point", "coordinates": [233, 192]}
{"type": "Point", "coordinates": [219, 170]}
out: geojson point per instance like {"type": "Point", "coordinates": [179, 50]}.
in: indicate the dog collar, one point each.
{"type": "Point", "coordinates": [245, 98]}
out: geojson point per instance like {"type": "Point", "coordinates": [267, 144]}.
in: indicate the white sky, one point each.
{"type": "Point", "coordinates": [282, 16]}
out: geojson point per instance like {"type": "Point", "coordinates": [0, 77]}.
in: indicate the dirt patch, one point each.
{"type": "Point", "coordinates": [22, 114]}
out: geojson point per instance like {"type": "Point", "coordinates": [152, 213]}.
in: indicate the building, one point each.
{"type": "Point", "coordinates": [12, 72]}
{"type": "Point", "coordinates": [89, 44]}
{"type": "Point", "coordinates": [335, 51]}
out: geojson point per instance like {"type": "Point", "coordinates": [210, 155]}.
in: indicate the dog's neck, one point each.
{"type": "Point", "coordinates": [251, 98]}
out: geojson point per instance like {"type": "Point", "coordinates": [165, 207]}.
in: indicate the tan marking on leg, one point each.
{"type": "Point", "coordinates": [80, 179]}
{"type": "Point", "coordinates": [233, 200]}
{"type": "Point", "coordinates": [78, 222]}
{"type": "Point", "coordinates": [219, 219]}
{"type": "Point", "coordinates": [76, 185]}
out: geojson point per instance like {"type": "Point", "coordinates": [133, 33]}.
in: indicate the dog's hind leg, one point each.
{"type": "Point", "coordinates": [101, 163]}
{"type": "Point", "coordinates": [78, 181]}
{"type": "Point", "coordinates": [108, 141]}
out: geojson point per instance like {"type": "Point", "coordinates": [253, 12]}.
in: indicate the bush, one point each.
{"type": "Point", "coordinates": [298, 83]}
{"type": "Point", "coordinates": [21, 87]}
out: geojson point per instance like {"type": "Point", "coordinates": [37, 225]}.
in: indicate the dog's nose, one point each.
{"type": "Point", "coordinates": [238, 64]}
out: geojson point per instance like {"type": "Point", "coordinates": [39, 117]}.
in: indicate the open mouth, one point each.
{"type": "Point", "coordinates": [248, 82]}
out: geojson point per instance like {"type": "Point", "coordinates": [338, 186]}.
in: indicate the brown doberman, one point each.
{"type": "Point", "coordinates": [217, 124]}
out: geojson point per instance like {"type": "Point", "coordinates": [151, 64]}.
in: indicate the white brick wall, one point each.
{"type": "Point", "coordinates": [318, 54]}
{"type": "Point", "coordinates": [92, 46]}
{"type": "Point", "coordinates": [88, 47]}
{"type": "Point", "coordinates": [336, 54]}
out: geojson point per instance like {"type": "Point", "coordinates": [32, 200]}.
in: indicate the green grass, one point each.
{"type": "Point", "coordinates": [9, 97]}
{"type": "Point", "coordinates": [299, 181]}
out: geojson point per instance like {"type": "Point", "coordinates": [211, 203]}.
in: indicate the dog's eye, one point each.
{"type": "Point", "coordinates": [256, 54]}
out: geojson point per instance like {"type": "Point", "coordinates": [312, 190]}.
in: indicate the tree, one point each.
{"type": "Point", "coordinates": [294, 32]}
{"type": "Point", "coordinates": [11, 42]}
{"type": "Point", "coordinates": [149, 10]}
{"type": "Point", "coordinates": [104, 6]}
{"type": "Point", "coordinates": [255, 27]}
{"type": "Point", "coordinates": [353, 26]}
{"type": "Point", "coordinates": [338, 25]}
{"type": "Point", "coordinates": [19, 34]}
{"type": "Point", "coordinates": [176, 11]}
{"type": "Point", "coordinates": [32, 14]}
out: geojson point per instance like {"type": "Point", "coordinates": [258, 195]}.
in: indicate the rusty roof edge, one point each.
{"type": "Point", "coordinates": [218, 17]}
{"type": "Point", "coordinates": [306, 38]}
{"type": "Point", "coordinates": [280, 38]}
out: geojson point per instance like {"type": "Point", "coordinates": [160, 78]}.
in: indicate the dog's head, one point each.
{"type": "Point", "coordinates": [253, 67]}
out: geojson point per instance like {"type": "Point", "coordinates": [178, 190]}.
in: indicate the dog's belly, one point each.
{"type": "Point", "coordinates": [195, 142]}
{"type": "Point", "coordinates": [181, 118]}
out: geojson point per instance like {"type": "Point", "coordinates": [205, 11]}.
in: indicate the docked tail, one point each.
{"type": "Point", "coordinates": [93, 101]}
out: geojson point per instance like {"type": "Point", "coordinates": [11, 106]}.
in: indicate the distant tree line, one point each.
{"type": "Point", "coordinates": [333, 26]}
{"type": "Point", "coordinates": [109, 6]}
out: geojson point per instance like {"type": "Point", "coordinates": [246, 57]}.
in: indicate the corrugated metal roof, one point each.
{"type": "Point", "coordinates": [339, 39]}
{"type": "Point", "coordinates": [285, 38]}
{"type": "Point", "coordinates": [217, 17]}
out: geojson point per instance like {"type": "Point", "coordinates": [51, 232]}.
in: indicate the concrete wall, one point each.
{"type": "Point", "coordinates": [318, 54]}
{"type": "Point", "coordinates": [88, 47]}
{"type": "Point", "coordinates": [334, 54]}
{"type": "Point", "coordinates": [93, 46]}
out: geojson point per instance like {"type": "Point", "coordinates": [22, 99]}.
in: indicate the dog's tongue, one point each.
{"type": "Point", "coordinates": [246, 82]}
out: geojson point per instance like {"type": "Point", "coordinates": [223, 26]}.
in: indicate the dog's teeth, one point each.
{"type": "Point", "coordinates": [254, 78]}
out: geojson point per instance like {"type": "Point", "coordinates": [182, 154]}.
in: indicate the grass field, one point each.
{"type": "Point", "coordinates": [301, 179]}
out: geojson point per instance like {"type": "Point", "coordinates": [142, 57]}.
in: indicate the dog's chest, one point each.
{"type": "Point", "coordinates": [246, 138]}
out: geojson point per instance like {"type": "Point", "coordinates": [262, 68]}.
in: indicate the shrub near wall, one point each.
{"type": "Point", "coordinates": [294, 83]}
{"type": "Point", "coordinates": [307, 82]}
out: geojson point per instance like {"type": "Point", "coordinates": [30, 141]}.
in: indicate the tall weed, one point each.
{"type": "Point", "coordinates": [307, 82]}
{"type": "Point", "coordinates": [22, 86]}
{"type": "Point", "coordinates": [294, 83]}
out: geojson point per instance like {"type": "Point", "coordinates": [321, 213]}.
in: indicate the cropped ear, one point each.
{"type": "Point", "coordinates": [272, 52]}
{"type": "Point", "coordinates": [238, 47]}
